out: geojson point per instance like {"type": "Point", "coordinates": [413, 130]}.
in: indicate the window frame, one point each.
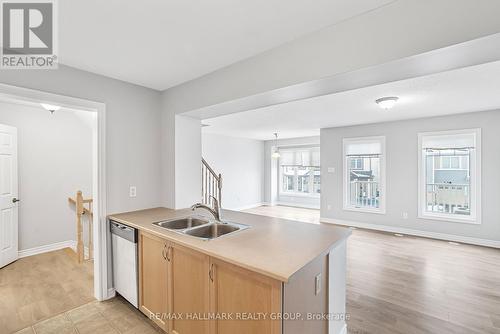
{"type": "Point", "coordinates": [475, 180]}
{"type": "Point", "coordinates": [345, 196]}
{"type": "Point", "coordinates": [295, 192]}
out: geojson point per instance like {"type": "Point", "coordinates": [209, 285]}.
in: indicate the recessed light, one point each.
{"type": "Point", "coordinates": [387, 102]}
{"type": "Point", "coordinates": [50, 107]}
{"type": "Point", "coordinates": [398, 235]}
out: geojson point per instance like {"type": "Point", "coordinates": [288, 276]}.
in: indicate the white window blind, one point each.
{"type": "Point", "coordinates": [363, 147]}
{"type": "Point", "coordinates": [449, 141]}
{"type": "Point", "coordinates": [305, 157]}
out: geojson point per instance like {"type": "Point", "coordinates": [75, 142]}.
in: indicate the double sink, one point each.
{"type": "Point", "coordinates": [201, 227]}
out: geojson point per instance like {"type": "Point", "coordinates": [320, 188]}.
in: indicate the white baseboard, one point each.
{"type": "Point", "coordinates": [246, 207]}
{"type": "Point", "coordinates": [111, 293]}
{"type": "Point", "coordinates": [85, 250]}
{"type": "Point", "coordinates": [46, 248]}
{"type": "Point", "coordinates": [50, 248]}
{"type": "Point", "coordinates": [299, 205]}
{"type": "Point", "coordinates": [418, 233]}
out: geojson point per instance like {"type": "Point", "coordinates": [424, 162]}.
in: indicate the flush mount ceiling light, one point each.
{"type": "Point", "coordinates": [387, 102]}
{"type": "Point", "coordinates": [276, 154]}
{"type": "Point", "coordinates": [50, 107]}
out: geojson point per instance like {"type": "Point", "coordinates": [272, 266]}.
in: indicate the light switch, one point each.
{"type": "Point", "coordinates": [317, 283]}
{"type": "Point", "coordinates": [132, 191]}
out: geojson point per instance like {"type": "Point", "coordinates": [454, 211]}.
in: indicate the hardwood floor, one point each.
{"type": "Point", "coordinates": [41, 286]}
{"type": "Point", "coordinates": [412, 285]}
{"type": "Point", "coordinates": [287, 212]}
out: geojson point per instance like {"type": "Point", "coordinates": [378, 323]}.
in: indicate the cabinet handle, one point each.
{"type": "Point", "coordinates": [168, 253]}
{"type": "Point", "coordinates": [164, 253]}
{"type": "Point", "coordinates": [211, 272]}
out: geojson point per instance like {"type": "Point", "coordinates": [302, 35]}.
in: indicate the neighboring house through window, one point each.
{"type": "Point", "coordinates": [449, 175]}
{"type": "Point", "coordinates": [364, 174]}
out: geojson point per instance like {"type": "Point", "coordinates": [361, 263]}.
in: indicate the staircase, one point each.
{"type": "Point", "coordinates": [211, 184]}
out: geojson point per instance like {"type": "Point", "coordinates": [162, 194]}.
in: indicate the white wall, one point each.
{"type": "Point", "coordinates": [401, 29]}
{"type": "Point", "coordinates": [55, 160]}
{"type": "Point", "coordinates": [402, 170]}
{"type": "Point", "coordinates": [187, 161]}
{"type": "Point", "coordinates": [241, 163]}
{"type": "Point", "coordinates": [271, 173]}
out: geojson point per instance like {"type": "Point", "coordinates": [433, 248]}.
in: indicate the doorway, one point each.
{"type": "Point", "coordinates": [57, 260]}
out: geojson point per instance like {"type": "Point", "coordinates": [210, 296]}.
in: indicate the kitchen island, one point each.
{"type": "Point", "coordinates": [278, 276]}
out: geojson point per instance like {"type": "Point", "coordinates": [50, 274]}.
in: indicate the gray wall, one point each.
{"type": "Point", "coordinates": [132, 129]}
{"type": "Point", "coordinates": [402, 173]}
{"type": "Point", "coordinates": [55, 160]}
{"type": "Point", "coordinates": [241, 163]}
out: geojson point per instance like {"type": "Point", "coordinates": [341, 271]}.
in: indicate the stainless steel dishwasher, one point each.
{"type": "Point", "coordinates": [124, 253]}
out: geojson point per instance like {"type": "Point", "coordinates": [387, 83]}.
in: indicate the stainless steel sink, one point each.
{"type": "Point", "coordinates": [183, 223]}
{"type": "Point", "coordinates": [215, 230]}
{"type": "Point", "coordinates": [201, 227]}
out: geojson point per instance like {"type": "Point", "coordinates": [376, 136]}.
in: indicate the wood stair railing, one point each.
{"type": "Point", "coordinates": [211, 184]}
{"type": "Point", "coordinates": [82, 211]}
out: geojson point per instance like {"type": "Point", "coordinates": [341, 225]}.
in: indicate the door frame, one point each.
{"type": "Point", "coordinates": [9, 93]}
{"type": "Point", "coordinates": [14, 193]}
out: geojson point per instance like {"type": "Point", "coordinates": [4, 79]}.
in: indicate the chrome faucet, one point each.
{"type": "Point", "coordinates": [215, 211]}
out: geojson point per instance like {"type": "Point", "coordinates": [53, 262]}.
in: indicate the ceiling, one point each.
{"type": "Point", "coordinates": [162, 43]}
{"type": "Point", "coordinates": [468, 89]}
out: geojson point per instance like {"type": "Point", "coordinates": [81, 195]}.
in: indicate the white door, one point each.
{"type": "Point", "coordinates": [8, 195]}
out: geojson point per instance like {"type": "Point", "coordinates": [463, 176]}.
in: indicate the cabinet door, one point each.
{"type": "Point", "coordinates": [188, 290]}
{"type": "Point", "coordinates": [237, 291]}
{"type": "Point", "coordinates": [153, 300]}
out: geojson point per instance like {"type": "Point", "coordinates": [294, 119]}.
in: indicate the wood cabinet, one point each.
{"type": "Point", "coordinates": [189, 283]}
{"type": "Point", "coordinates": [175, 280]}
{"type": "Point", "coordinates": [153, 294]}
{"type": "Point", "coordinates": [255, 298]}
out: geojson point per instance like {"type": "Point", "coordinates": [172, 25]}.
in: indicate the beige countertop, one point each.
{"type": "Point", "coordinates": [272, 246]}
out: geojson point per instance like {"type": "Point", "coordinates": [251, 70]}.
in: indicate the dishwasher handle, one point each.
{"type": "Point", "coordinates": [123, 231]}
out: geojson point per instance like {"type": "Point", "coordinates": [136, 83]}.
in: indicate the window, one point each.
{"type": "Point", "coordinates": [364, 174]}
{"type": "Point", "coordinates": [449, 182]}
{"type": "Point", "coordinates": [356, 163]}
{"type": "Point", "coordinates": [299, 171]}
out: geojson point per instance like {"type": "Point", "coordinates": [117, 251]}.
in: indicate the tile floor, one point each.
{"type": "Point", "coordinates": [39, 287]}
{"type": "Point", "coordinates": [115, 316]}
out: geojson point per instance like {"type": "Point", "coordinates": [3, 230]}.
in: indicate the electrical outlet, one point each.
{"type": "Point", "coordinates": [132, 192]}
{"type": "Point", "coordinates": [331, 169]}
{"type": "Point", "coordinates": [317, 284]}
{"type": "Point", "coordinates": [329, 207]}
{"type": "Point", "coordinates": [405, 215]}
